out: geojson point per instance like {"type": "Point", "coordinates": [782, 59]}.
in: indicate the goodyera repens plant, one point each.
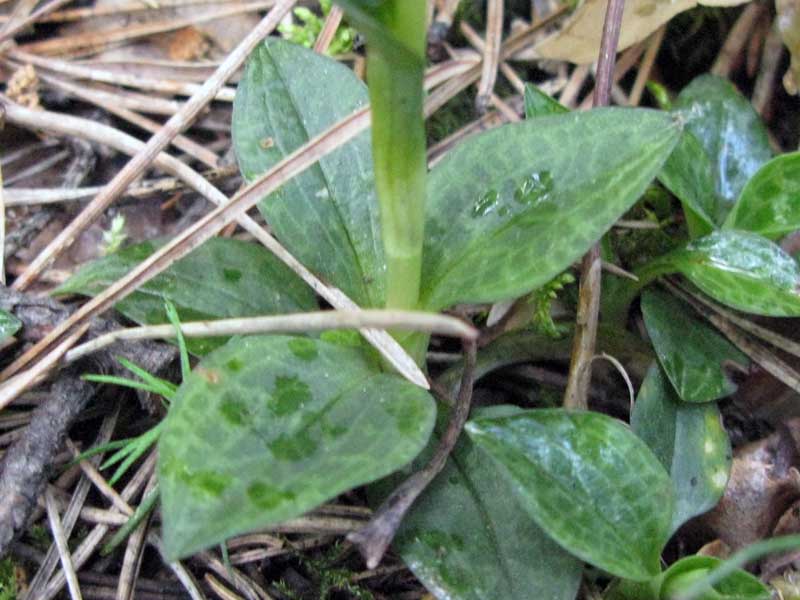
{"type": "Point", "coordinates": [267, 428]}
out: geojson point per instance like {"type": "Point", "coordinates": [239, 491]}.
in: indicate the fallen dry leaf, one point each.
{"type": "Point", "coordinates": [788, 524]}
{"type": "Point", "coordinates": [763, 484]}
{"type": "Point", "coordinates": [789, 26]}
{"type": "Point", "coordinates": [184, 45]}
{"type": "Point", "coordinates": [579, 40]}
{"type": "Point", "coordinates": [715, 549]}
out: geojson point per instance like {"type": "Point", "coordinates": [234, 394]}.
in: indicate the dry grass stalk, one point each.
{"type": "Point", "coordinates": [86, 548]}
{"type": "Point", "coordinates": [60, 539]}
{"type": "Point", "coordinates": [737, 39]}
{"type": "Point", "coordinates": [329, 28]}
{"type": "Point", "coordinates": [491, 53]}
{"type": "Point", "coordinates": [156, 144]}
{"type": "Point", "coordinates": [104, 37]}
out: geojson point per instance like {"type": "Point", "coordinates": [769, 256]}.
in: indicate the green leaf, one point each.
{"type": "Point", "coordinates": [688, 175]}
{"type": "Point", "coordinates": [223, 278]}
{"type": "Point", "coordinates": [269, 427]}
{"type": "Point", "coordinates": [468, 538]}
{"type": "Point", "coordinates": [739, 585]}
{"type": "Point", "coordinates": [692, 353]}
{"type": "Point", "coordinates": [510, 209]}
{"type": "Point", "coordinates": [589, 482]}
{"type": "Point", "coordinates": [9, 324]}
{"type": "Point", "coordinates": [539, 104]}
{"type": "Point", "coordinates": [625, 589]}
{"type": "Point", "coordinates": [723, 569]}
{"type": "Point", "coordinates": [328, 215]}
{"type": "Point", "coordinates": [690, 442]}
{"type": "Point", "coordinates": [731, 133]}
{"type": "Point", "coordinates": [742, 270]}
{"type": "Point", "coordinates": [768, 204]}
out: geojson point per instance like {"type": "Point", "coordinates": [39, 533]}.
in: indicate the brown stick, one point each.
{"type": "Point", "coordinates": [443, 20]}
{"type": "Point", "coordinates": [580, 370]}
{"type": "Point", "coordinates": [374, 539]}
{"type": "Point", "coordinates": [14, 27]}
{"type": "Point", "coordinates": [736, 40]}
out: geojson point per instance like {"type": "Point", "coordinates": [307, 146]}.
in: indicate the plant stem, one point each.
{"type": "Point", "coordinates": [398, 146]}
{"type": "Point", "coordinates": [580, 369]}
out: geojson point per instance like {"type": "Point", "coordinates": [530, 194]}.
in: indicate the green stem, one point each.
{"type": "Point", "coordinates": [398, 145]}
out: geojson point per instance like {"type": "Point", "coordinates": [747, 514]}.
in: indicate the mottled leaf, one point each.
{"type": "Point", "coordinates": [510, 209]}
{"type": "Point", "coordinates": [267, 428]}
{"type": "Point", "coordinates": [743, 270]}
{"type": "Point", "coordinates": [9, 324]}
{"type": "Point", "coordinates": [770, 202]}
{"type": "Point", "coordinates": [693, 354]}
{"type": "Point", "coordinates": [468, 538]}
{"type": "Point", "coordinates": [328, 215]}
{"type": "Point", "coordinates": [690, 442]}
{"type": "Point", "coordinates": [539, 104]}
{"type": "Point", "coordinates": [730, 132]}
{"type": "Point", "coordinates": [688, 174]}
{"type": "Point", "coordinates": [223, 278]}
{"type": "Point", "coordinates": [588, 481]}
{"type": "Point", "coordinates": [739, 585]}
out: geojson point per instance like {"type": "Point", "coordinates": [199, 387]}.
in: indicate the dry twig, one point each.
{"type": "Point", "coordinates": [491, 53]}
{"type": "Point", "coordinates": [374, 539]}
{"type": "Point", "coordinates": [63, 548]}
{"type": "Point", "coordinates": [156, 144]}
{"type": "Point", "coordinates": [580, 369]}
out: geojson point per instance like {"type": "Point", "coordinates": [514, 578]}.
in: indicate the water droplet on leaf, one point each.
{"type": "Point", "coordinates": [485, 203]}
{"type": "Point", "coordinates": [535, 188]}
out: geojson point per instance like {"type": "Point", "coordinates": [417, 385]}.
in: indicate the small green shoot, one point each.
{"type": "Point", "coordinates": [114, 236]}
{"type": "Point", "coordinates": [145, 507]}
{"type": "Point", "coordinates": [310, 27]}
{"type": "Point", "coordinates": [130, 450]}
{"type": "Point", "coordinates": [149, 383]}
{"type": "Point", "coordinates": [172, 315]}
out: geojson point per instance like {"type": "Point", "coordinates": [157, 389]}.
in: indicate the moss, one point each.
{"type": "Point", "coordinates": [8, 580]}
